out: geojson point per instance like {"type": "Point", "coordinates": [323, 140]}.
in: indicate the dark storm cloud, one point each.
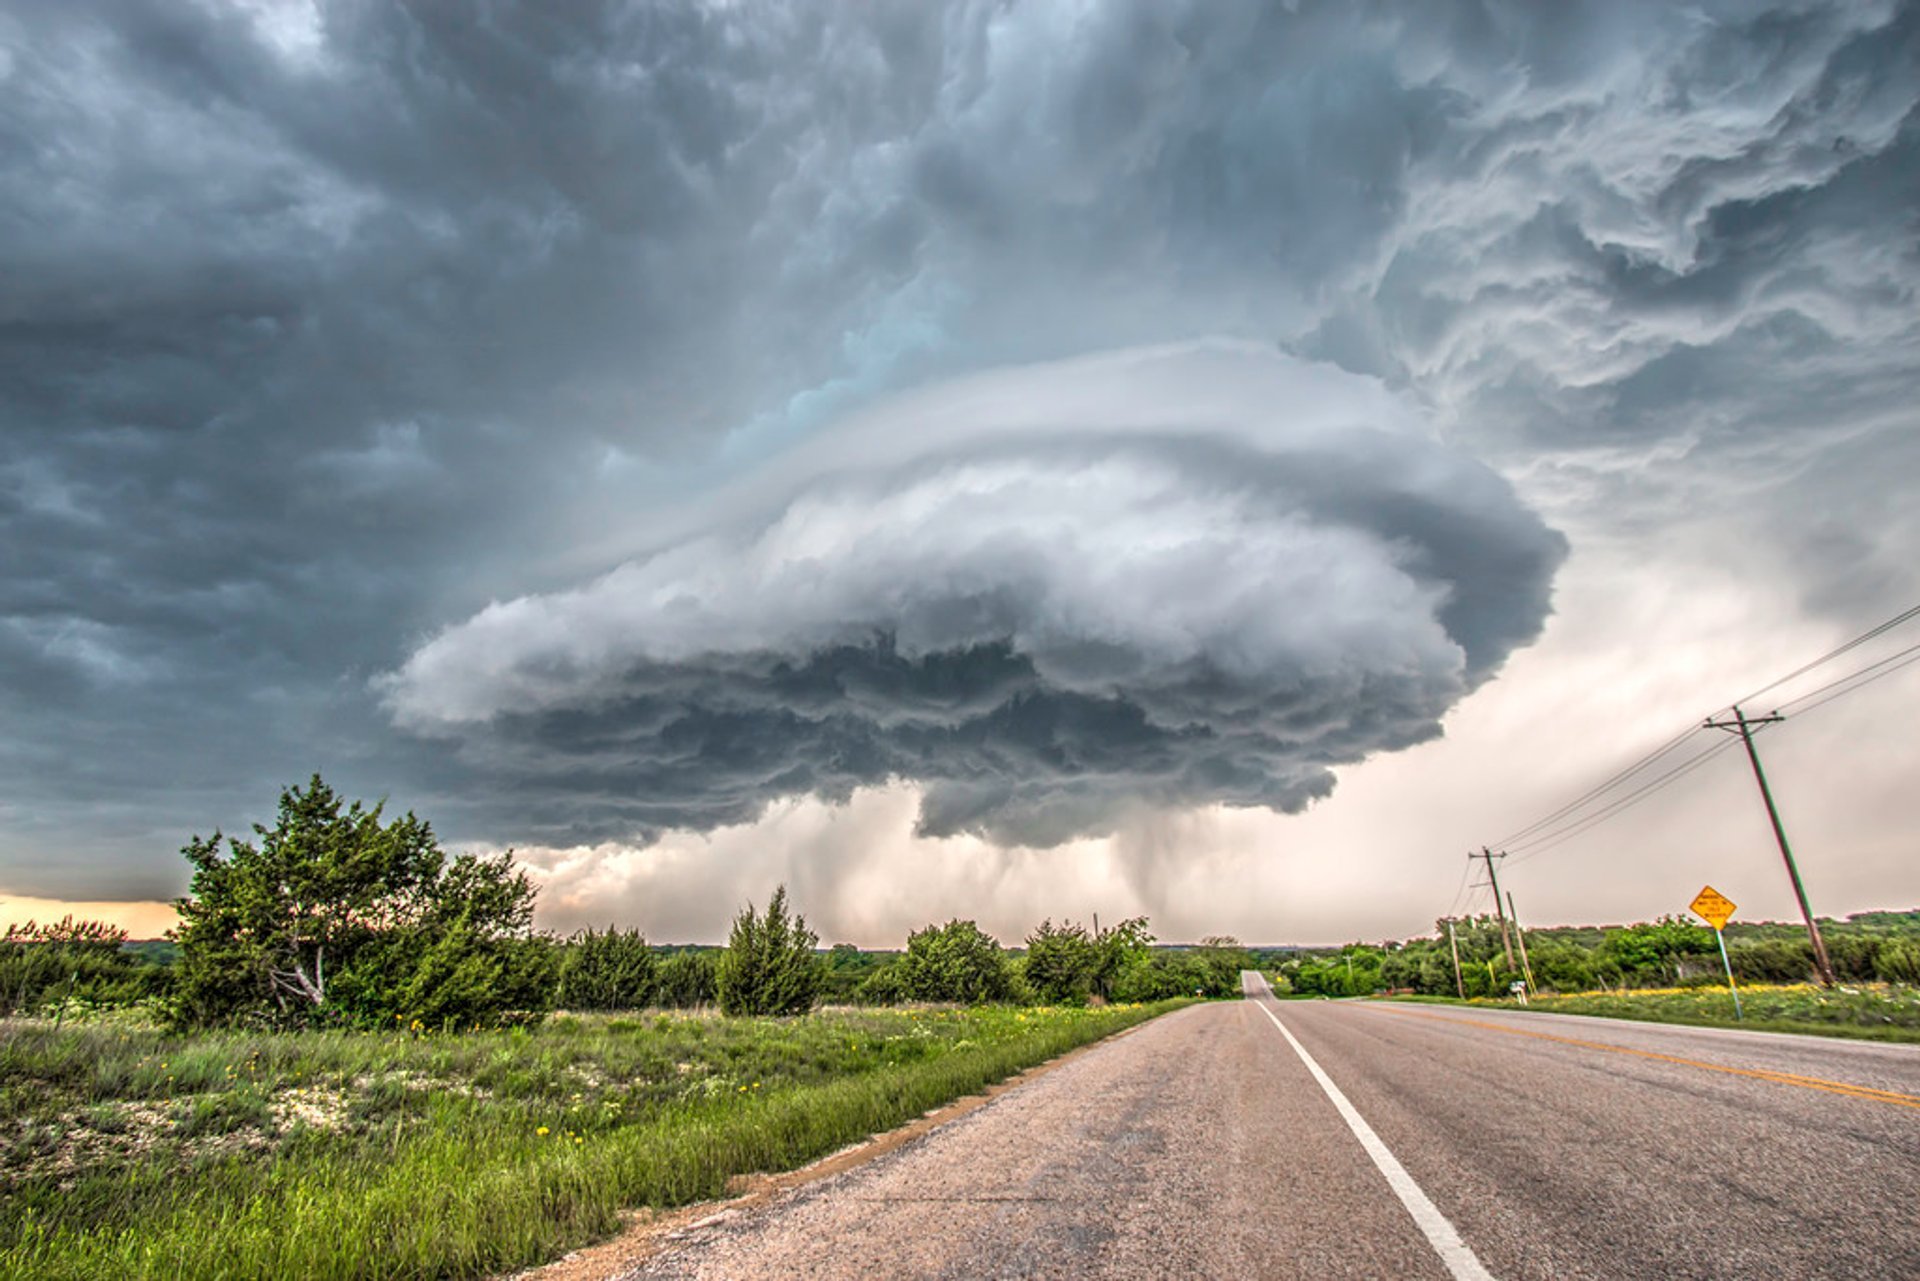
{"type": "Point", "coordinates": [322, 328]}
{"type": "Point", "coordinates": [1080, 589]}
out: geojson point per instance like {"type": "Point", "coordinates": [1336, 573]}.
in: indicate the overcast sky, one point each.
{"type": "Point", "coordinates": [1213, 460]}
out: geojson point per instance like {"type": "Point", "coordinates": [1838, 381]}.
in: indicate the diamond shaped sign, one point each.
{"type": "Point", "coordinates": [1713, 907]}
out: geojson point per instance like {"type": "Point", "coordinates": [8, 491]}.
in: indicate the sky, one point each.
{"type": "Point", "coordinates": [1216, 461]}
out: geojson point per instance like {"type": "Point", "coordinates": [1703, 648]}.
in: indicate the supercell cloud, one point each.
{"type": "Point", "coordinates": [1062, 409]}
{"type": "Point", "coordinates": [1049, 595]}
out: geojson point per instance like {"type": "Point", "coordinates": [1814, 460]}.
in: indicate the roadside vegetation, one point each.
{"type": "Point", "coordinates": [1866, 948]}
{"type": "Point", "coordinates": [131, 1151]}
{"type": "Point", "coordinates": [1665, 971]}
{"type": "Point", "coordinates": [1866, 1011]}
{"type": "Point", "coordinates": [358, 1057]}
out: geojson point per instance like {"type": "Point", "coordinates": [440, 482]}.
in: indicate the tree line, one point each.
{"type": "Point", "coordinates": [337, 916]}
{"type": "Point", "coordinates": [1668, 952]}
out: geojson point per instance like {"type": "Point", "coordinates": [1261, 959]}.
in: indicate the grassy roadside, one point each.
{"type": "Point", "coordinates": [131, 1153]}
{"type": "Point", "coordinates": [1862, 1011]}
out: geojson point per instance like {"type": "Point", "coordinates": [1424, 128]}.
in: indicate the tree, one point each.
{"type": "Point", "coordinates": [687, 979]}
{"type": "Point", "coordinates": [769, 966]}
{"type": "Point", "coordinates": [955, 962]}
{"type": "Point", "coordinates": [1117, 950]}
{"type": "Point", "coordinates": [616, 970]}
{"type": "Point", "coordinates": [1660, 948]}
{"type": "Point", "coordinates": [336, 917]}
{"type": "Point", "coordinates": [86, 961]}
{"type": "Point", "coordinates": [1061, 962]}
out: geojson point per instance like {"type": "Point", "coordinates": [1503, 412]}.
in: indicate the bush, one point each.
{"type": "Point", "coordinates": [1899, 961]}
{"type": "Point", "coordinates": [611, 971]}
{"type": "Point", "coordinates": [883, 986]}
{"type": "Point", "coordinates": [955, 962]}
{"type": "Point", "coordinates": [1060, 963]}
{"type": "Point", "coordinates": [686, 979]}
{"type": "Point", "coordinates": [1772, 961]}
{"type": "Point", "coordinates": [82, 961]}
{"type": "Point", "coordinates": [769, 965]}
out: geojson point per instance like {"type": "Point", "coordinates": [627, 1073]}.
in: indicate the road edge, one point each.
{"type": "Point", "coordinates": [647, 1230]}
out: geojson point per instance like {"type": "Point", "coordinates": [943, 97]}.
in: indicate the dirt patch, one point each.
{"type": "Point", "coordinates": [647, 1230]}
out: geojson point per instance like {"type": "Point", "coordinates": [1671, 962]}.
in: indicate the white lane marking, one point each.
{"type": "Point", "coordinates": [1445, 1239]}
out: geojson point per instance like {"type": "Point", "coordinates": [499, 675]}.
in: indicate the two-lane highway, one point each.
{"type": "Point", "coordinates": [1330, 1139]}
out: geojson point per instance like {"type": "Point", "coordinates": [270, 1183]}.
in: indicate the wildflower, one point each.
{"type": "Point", "coordinates": [543, 1131]}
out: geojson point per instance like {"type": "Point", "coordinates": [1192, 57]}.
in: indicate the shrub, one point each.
{"type": "Point", "coordinates": [1899, 961]}
{"type": "Point", "coordinates": [615, 970]}
{"type": "Point", "coordinates": [686, 979]}
{"type": "Point", "coordinates": [769, 965]}
{"type": "Point", "coordinates": [955, 962]}
{"type": "Point", "coordinates": [1060, 962]}
{"type": "Point", "coordinates": [84, 961]}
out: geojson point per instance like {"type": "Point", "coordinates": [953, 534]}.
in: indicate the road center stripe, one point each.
{"type": "Point", "coordinates": [1440, 1232]}
{"type": "Point", "coordinates": [1867, 1092]}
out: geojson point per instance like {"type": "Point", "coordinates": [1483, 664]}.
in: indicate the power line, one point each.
{"type": "Point", "coordinates": [1800, 706]}
{"type": "Point", "coordinates": [1592, 793]}
{"type": "Point", "coordinates": [1566, 822]}
{"type": "Point", "coordinates": [1903, 616]}
{"type": "Point", "coordinates": [1547, 840]}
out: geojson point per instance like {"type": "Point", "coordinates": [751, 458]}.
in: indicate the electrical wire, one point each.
{"type": "Point", "coordinates": [1466, 870]}
{"type": "Point", "coordinates": [1567, 822]}
{"type": "Point", "coordinates": [1547, 840]}
{"type": "Point", "coordinates": [1903, 616]}
{"type": "Point", "coordinates": [1800, 706]}
{"type": "Point", "coordinates": [1594, 792]}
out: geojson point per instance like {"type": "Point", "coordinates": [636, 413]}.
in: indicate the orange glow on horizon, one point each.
{"type": "Point", "coordinates": [141, 918]}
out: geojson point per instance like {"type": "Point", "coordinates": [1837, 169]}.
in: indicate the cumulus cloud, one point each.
{"type": "Point", "coordinates": [1177, 576]}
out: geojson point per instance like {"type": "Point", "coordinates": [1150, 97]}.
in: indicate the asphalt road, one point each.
{"type": "Point", "coordinates": [1465, 1144]}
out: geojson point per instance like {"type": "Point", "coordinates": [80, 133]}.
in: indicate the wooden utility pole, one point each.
{"type": "Point", "coordinates": [1526, 968]}
{"type": "Point", "coordinates": [1506, 941]}
{"type": "Point", "coordinates": [1459, 984]}
{"type": "Point", "coordinates": [1743, 726]}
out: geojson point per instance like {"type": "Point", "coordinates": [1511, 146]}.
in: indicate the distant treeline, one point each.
{"type": "Point", "coordinates": [1669, 952]}
{"type": "Point", "coordinates": [79, 967]}
{"type": "Point", "coordinates": [336, 917]}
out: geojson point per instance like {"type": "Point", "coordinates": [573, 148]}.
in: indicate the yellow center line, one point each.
{"type": "Point", "coordinates": [1867, 1092]}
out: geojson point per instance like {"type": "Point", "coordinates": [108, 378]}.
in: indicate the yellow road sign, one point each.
{"type": "Point", "coordinates": [1713, 907]}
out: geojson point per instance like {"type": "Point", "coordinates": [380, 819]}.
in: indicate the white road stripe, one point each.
{"type": "Point", "coordinates": [1440, 1232]}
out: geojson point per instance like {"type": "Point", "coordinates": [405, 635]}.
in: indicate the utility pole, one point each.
{"type": "Point", "coordinates": [1506, 942]}
{"type": "Point", "coordinates": [1741, 725]}
{"type": "Point", "coordinates": [1525, 966]}
{"type": "Point", "coordinates": [1459, 984]}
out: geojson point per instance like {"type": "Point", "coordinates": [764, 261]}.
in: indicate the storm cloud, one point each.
{"type": "Point", "coordinates": [325, 327]}
{"type": "Point", "coordinates": [1174, 577]}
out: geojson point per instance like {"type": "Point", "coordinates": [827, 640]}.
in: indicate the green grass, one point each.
{"type": "Point", "coordinates": [128, 1152]}
{"type": "Point", "coordinates": [1864, 1011]}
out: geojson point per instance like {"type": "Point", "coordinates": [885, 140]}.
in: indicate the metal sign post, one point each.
{"type": "Point", "coordinates": [1716, 909]}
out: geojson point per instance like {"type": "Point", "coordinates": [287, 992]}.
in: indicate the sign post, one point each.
{"type": "Point", "coordinates": [1716, 909]}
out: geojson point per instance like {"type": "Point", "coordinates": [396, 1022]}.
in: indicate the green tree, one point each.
{"type": "Point", "coordinates": [883, 986]}
{"type": "Point", "coordinates": [769, 965]}
{"type": "Point", "coordinates": [1659, 950]}
{"type": "Point", "coordinates": [1117, 951]}
{"type": "Point", "coordinates": [848, 971]}
{"type": "Point", "coordinates": [85, 961]}
{"type": "Point", "coordinates": [1060, 962]}
{"type": "Point", "coordinates": [337, 917]}
{"type": "Point", "coordinates": [955, 962]}
{"type": "Point", "coordinates": [614, 970]}
{"type": "Point", "coordinates": [686, 979]}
